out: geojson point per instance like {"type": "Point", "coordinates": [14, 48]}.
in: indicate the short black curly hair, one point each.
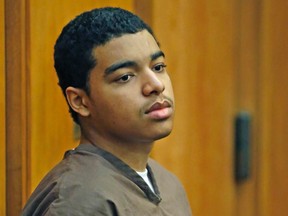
{"type": "Point", "coordinates": [73, 59]}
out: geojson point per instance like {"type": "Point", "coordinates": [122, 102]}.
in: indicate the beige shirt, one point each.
{"type": "Point", "coordinates": [91, 181]}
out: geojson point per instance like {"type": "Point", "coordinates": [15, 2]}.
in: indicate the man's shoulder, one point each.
{"type": "Point", "coordinates": [75, 179]}
{"type": "Point", "coordinates": [79, 168]}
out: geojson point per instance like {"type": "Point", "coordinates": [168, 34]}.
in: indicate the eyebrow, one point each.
{"type": "Point", "coordinates": [125, 64]}
{"type": "Point", "coordinates": [119, 65]}
{"type": "Point", "coordinates": [156, 55]}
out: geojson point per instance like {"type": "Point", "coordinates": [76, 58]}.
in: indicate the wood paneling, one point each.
{"type": "Point", "coordinates": [16, 104]}
{"type": "Point", "coordinates": [247, 89]}
{"type": "Point", "coordinates": [223, 56]}
{"type": "Point", "coordinates": [255, 46]}
{"type": "Point", "coordinates": [273, 103]}
{"type": "Point", "coordinates": [144, 9]}
{"type": "Point", "coordinates": [51, 125]}
{"type": "Point", "coordinates": [199, 38]}
{"type": "Point", "coordinates": [2, 113]}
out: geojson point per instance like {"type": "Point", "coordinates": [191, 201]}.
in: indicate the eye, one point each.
{"type": "Point", "coordinates": [124, 78]}
{"type": "Point", "coordinates": [159, 67]}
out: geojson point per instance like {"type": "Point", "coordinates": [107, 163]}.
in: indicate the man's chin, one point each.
{"type": "Point", "coordinates": [163, 135]}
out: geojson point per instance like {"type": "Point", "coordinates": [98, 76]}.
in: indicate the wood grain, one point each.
{"type": "Point", "coordinates": [198, 38]}
{"type": "Point", "coordinates": [247, 90]}
{"type": "Point", "coordinates": [273, 103]}
{"type": "Point", "coordinates": [16, 105]}
{"type": "Point", "coordinates": [2, 114]}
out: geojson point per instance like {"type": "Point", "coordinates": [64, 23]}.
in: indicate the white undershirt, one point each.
{"type": "Point", "coordinates": [144, 175]}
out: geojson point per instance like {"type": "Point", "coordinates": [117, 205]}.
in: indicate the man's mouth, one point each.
{"type": "Point", "coordinates": [160, 110]}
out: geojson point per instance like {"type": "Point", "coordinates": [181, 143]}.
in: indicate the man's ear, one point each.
{"type": "Point", "coordinates": [78, 100]}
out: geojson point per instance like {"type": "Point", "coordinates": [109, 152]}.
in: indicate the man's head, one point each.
{"type": "Point", "coordinates": [113, 74]}
{"type": "Point", "coordinates": [73, 53]}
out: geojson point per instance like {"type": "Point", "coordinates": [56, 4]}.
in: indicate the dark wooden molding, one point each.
{"type": "Point", "coordinates": [17, 79]}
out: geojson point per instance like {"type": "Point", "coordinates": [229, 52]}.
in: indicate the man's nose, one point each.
{"type": "Point", "coordinates": [152, 83]}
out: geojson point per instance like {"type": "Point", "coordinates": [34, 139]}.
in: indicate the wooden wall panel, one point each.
{"type": "Point", "coordinates": [273, 103]}
{"type": "Point", "coordinates": [16, 104]}
{"type": "Point", "coordinates": [51, 125]}
{"type": "Point", "coordinates": [199, 38]}
{"type": "Point", "coordinates": [247, 90]}
{"type": "Point", "coordinates": [2, 114]}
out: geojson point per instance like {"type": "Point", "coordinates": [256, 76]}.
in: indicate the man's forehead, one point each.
{"type": "Point", "coordinates": [141, 44]}
{"type": "Point", "coordinates": [131, 38]}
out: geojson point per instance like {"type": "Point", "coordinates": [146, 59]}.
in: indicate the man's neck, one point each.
{"type": "Point", "coordinates": [133, 154]}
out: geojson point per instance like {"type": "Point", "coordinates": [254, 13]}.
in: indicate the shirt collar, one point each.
{"type": "Point", "coordinates": [126, 170]}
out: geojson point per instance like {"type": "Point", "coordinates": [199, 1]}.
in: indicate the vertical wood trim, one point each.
{"type": "Point", "coordinates": [26, 160]}
{"type": "Point", "coordinates": [247, 95]}
{"type": "Point", "coordinates": [273, 171]}
{"type": "Point", "coordinates": [2, 113]}
{"type": "Point", "coordinates": [16, 105]}
{"type": "Point", "coordinates": [263, 207]}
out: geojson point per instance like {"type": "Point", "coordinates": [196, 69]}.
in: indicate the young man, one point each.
{"type": "Point", "coordinates": [113, 75]}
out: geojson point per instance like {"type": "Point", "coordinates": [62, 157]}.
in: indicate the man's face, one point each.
{"type": "Point", "coordinates": [131, 97]}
